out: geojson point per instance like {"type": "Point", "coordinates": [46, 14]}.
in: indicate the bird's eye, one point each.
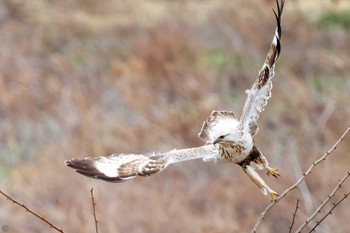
{"type": "Point", "coordinates": [222, 137]}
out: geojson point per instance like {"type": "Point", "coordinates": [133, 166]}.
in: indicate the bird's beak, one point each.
{"type": "Point", "coordinates": [216, 141]}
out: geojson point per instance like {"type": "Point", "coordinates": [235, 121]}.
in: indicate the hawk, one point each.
{"type": "Point", "coordinates": [226, 137]}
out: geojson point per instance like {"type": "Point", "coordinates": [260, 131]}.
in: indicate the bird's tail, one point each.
{"type": "Point", "coordinates": [117, 168]}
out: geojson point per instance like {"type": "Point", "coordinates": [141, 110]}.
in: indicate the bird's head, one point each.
{"type": "Point", "coordinates": [224, 138]}
{"type": "Point", "coordinates": [220, 127]}
{"type": "Point", "coordinates": [224, 131]}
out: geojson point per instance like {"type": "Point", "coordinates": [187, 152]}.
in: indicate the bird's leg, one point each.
{"type": "Point", "coordinates": [254, 176]}
{"type": "Point", "coordinates": [261, 160]}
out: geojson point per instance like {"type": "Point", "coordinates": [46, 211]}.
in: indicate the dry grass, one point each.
{"type": "Point", "coordinates": [79, 78]}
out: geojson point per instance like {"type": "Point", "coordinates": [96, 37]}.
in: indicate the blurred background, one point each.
{"type": "Point", "coordinates": [89, 78]}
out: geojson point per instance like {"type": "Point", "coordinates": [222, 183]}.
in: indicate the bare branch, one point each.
{"type": "Point", "coordinates": [32, 212]}
{"type": "Point", "coordinates": [330, 211]}
{"type": "Point", "coordinates": [94, 209]}
{"type": "Point", "coordinates": [315, 163]}
{"type": "Point", "coordinates": [294, 215]}
{"type": "Point", "coordinates": [318, 210]}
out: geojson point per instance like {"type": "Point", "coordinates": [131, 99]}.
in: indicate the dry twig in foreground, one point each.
{"type": "Point", "coordinates": [294, 215]}
{"type": "Point", "coordinates": [318, 210]}
{"type": "Point", "coordinates": [32, 212]}
{"type": "Point", "coordinates": [302, 178]}
{"type": "Point", "coordinates": [330, 211]}
{"type": "Point", "coordinates": [94, 209]}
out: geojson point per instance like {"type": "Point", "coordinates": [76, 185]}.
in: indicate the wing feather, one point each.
{"type": "Point", "coordinates": [119, 168]}
{"type": "Point", "coordinates": [260, 92]}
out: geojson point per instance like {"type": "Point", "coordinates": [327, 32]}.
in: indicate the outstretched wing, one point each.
{"type": "Point", "coordinates": [261, 89]}
{"type": "Point", "coordinates": [119, 168]}
{"type": "Point", "coordinates": [115, 168]}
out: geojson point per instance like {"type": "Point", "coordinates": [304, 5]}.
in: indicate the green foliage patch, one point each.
{"type": "Point", "coordinates": [336, 19]}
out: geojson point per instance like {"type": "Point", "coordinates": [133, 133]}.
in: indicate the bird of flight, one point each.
{"type": "Point", "coordinates": [226, 137]}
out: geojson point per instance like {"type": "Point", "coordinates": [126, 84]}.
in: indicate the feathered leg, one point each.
{"type": "Point", "coordinates": [254, 176]}
{"type": "Point", "coordinates": [261, 160]}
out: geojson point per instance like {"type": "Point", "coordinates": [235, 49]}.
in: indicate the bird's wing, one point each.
{"type": "Point", "coordinates": [119, 168]}
{"type": "Point", "coordinates": [261, 89]}
{"type": "Point", "coordinates": [207, 153]}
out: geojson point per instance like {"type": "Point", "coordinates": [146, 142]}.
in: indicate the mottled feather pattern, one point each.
{"type": "Point", "coordinates": [263, 77]}
{"type": "Point", "coordinates": [87, 167]}
{"type": "Point", "coordinates": [232, 153]}
{"type": "Point", "coordinates": [116, 168]}
{"type": "Point", "coordinates": [119, 168]}
{"type": "Point", "coordinates": [260, 92]}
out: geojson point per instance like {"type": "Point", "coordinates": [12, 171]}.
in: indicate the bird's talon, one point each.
{"type": "Point", "coordinates": [273, 172]}
{"type": "Point", "coordinates": [273, 196]}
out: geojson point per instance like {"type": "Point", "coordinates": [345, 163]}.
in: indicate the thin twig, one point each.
{"type": "Point", "coordinates": [315, 163]}
{"type": "Point", "coordinates": [318, 210]}
{"type": "Point", "coordinates": [94, 209]}
{"type": "Point", "coordinates": [32, 212]}
{"type": "Point", "coordinates": [330, 211]}
{"type": "Point", "coordinates": [294, 215]}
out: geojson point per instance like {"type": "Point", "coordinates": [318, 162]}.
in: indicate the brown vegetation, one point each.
{"type": "Point", "coordinates": [82, 78]}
